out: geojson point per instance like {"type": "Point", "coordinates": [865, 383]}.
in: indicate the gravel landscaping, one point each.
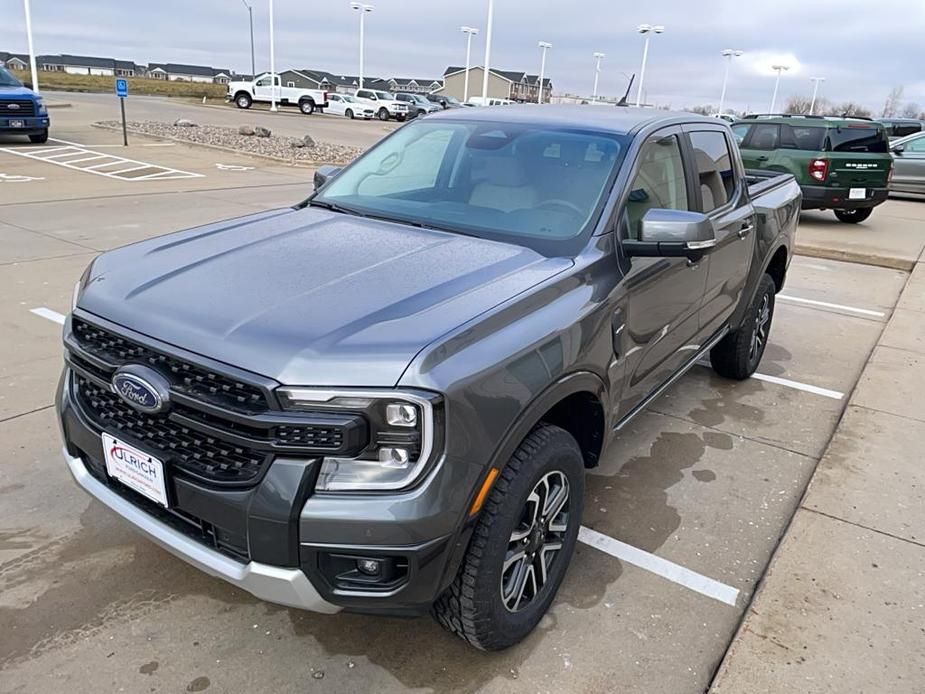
{"type": "Point", "coordinates": [288, 149]}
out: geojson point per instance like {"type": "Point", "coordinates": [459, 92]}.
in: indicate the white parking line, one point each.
{"type": "Point", "coordinates": [826, 304]}
{"type": "Point", "coordinates": [47, 313]}
{"type": "Point", "coordinates": [661, 567]}
{"type": "Point", "coordinates": [824, 392]}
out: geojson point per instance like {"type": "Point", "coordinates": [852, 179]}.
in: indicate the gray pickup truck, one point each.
{"type": "Point", "coordinates": [384, 399]}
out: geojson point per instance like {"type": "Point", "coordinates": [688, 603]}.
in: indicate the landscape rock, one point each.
{"type": "Point", "coordinates": [185, 123]}
{"type": "Point", "coordinates": [246, 130]}
{"type": "Point", "coordinates": [260, 131]}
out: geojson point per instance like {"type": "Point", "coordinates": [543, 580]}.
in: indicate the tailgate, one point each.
{"type": "Point", "coordinates": [858, 169]}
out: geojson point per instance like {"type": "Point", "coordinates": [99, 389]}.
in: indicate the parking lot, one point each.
{"type": "Point", "coordinates": [681, 518]}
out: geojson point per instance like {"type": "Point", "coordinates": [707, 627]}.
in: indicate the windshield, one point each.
{"type": "Point", "coordinates": [7, 79]}
{"type": "Point", "coordinates": [858, 138]}
{"type": "Point", "coordinates": [384, 95]}
{"type": "Point", "coordinates": [348, 98]}
{"type": "Point", "coordinates": [451, 99]}
{"type": "Point", "coordinates": [538, 186]}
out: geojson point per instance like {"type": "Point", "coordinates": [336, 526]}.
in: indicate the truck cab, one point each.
{"type": "Point", "coordinates": [22, 111]}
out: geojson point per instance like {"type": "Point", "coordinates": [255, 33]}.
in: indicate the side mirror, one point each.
{"type": "Point", "coordinates": [324, 174]}
{"type": "Point", "coordinates": [898, 149]}
{"type": "Point", "coordinates": [672, 234]}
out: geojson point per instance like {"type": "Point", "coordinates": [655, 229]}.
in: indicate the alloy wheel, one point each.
{"type": "Point", "coordinates": [760, 333]}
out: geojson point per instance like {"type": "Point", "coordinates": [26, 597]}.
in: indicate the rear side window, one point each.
{"type": "Point", "coordinates": [740, 132]}
{"type": "Point", "coordinates": [764, 136]}
{"type": "Point", "coordinates": [714, 168]}
{"type": "Point", "coordinates": [857, 138]}
{"type": "Point", "coordinates": [917, 145]}
{"type": "Point", "coordinates": [659, 182]}
{"type": "Point", "coordinates": [905, 129]}
{"type": "Point", "coordinates": [803, 137]}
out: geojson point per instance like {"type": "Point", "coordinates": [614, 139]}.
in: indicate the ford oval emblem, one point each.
{"type": "Point", "coordinates": [142, 388]}
{"type": "Point", "coordinates": [13, 107]}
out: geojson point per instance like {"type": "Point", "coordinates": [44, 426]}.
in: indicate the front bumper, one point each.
{"type": "Point", "coordinates": [826, 198]}
{"type": "Point", "coordinates": [32, 125]}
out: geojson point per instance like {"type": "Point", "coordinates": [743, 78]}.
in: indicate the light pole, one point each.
{"type": "Point", "coordinates": [250, 12]}
{"type": "Point", "coordinates": [728, 54]}
{"type": "Point", "coordinates": [487, 67]}
{"type": "Point", "coordinates": [646, 30]}
{"type": "Point", "coordinates": [35, 73]}
{"type": "Point", "coordinates": [597, 73]}
{"type": "Point", "coordinates": [778, 69]}
{"type": "Point", "coordinates": [470, 32]}
{"type": "Point", "coordinates": [362, 9]}
{"type": "Point", "coordinates": [816, 81]}
{"type": "Point", "coordinates": [273, 107]}
{"type": "Point", "coordinates": [545, 46]}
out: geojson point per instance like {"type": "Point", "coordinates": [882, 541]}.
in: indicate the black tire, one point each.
{"type": "Point", "coordinates": [243, 100]}
{"type": "Point", "coordinates": [349, 113]}
{"type": "Point", "coordinates": [738, 354]}
{"type": "Point", "coordinates": [307, 106]}
{"type": "Point", "coordinates": [383, 114]}
{"type": "Point", "coordinates": [853, 216]}
{"type": "Point", "coordinates": [39, 139]}
{"type": "Point", "coordinates": [401, 119]}
{"type": "Point", "coordinates": [473, 607]}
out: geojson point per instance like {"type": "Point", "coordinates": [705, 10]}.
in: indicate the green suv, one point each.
{"type": "Point", "coordinates": [842, 164]}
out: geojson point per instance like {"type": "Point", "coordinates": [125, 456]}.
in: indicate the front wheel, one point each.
{"type": "Point", "coordinates": [39, 139]}
{"type": "Point", "coordinates": [243, 100]}
{"type": "Point", "coordinates": [349, 113]}
{"type": "Point", "coordinates": [854, 216]}
{"type": "Point", "coordinates": [521, 545]}
{"type": "Point", "coordinates": [738, 354]}
{"type": "Point", "coordinates": [307, 106]}
{"type": "Point", "coordinates": [383, 114]}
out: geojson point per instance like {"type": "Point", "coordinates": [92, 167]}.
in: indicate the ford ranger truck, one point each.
{"type": "Point", "coordinates": [384, 399]}
{"type": "Point", "coordinates": [22, 111]}
{"type": "Point", "coordinates": [262, 88]}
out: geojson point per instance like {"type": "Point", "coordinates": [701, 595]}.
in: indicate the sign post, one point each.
{"type": "Point", "coordinates": [122, 93]}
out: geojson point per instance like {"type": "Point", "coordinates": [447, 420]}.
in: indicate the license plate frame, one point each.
{"type": "Point", "coordinates": [17, 123]}
{"type": "Point", "coordinates": [136, 469]}
{"type": "Point", "coordinates": [857, 193]}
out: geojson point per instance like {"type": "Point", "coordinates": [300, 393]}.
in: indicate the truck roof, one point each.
{"type": "Point", "coordinates": [618, 120]}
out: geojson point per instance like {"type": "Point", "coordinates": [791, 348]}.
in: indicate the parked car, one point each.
{"type": "Point", "coordinates": [841, 164]}
{"type": "Point", "coordinates": [417, 104]}
{"type": "Point", "coordinates": [909, 164]}
{"type": "Point", "coordinates": [262, 89]}
{"type": "Point", "coordinates": [22, 111]}
{"type": "Point", "coordinates": [385, 398]}
{"type": "Point", "coordinates": [384, 104]}
{"type": "Point", "coordinates": [901, 127]}
{"type": "Point", "coordinates": [445, 100]}
{"type": "Point", "coordinates": [489, 101]}
{"type": "Point", "coordinates": [349, 106]}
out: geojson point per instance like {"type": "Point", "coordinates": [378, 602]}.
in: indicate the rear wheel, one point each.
{"type": "Point", "coordinates": [307, 106]}
{"type": "Point", "coordinates": [738, 354]}
{"type": "Point", "coordinates": [854, 216]}
{"type": "Point", "coordinates": [349, 113]}
{"type": "Point", "coordinates": [383, 113]}
{"type": "Point", "coordinates": [521, 546]}
{"type": "Point", "coordinates": [243, 100]}
{"type": "Point", "coordinates": [39, 139]}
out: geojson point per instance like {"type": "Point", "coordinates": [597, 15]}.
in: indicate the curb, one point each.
{"type": "Point", "coordinates": [267, 111]}
{"type": "Point", "coordinates": [859, 257]}
{"type": "Point", "coordinates": [288, 162]}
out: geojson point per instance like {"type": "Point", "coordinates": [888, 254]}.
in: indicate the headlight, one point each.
{"type": "Point", "coordinates": [79, 286]}
{"type": "Point", "coordinates": [40, 104]}
{"type": "Point", "coordinates": [405, 434]}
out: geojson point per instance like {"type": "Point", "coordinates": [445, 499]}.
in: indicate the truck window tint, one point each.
{"type": "Point", "coordinates": [265, 82]}
{"type": "Point", "coordinates": [806, 138]}
{"type": "Point", "coordinates": [659, 182]}
{"type": "Point", "coordinates": [764, 136]}
{"type": "Point", "coordinates": [916, 145]}
{"type": "Point", "coordinates": [714, 168]}
{"type": "Point", "coordinates": [740, 132]}
{"type": "Point", "coordinates": [905, 129]}
{"type": "Point", "coordinates": [854, 138]}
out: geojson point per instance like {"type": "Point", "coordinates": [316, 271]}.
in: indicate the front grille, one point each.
{"type": "Point", "coordinates": [194, 381]}
{"type": "Point", "coordinates": [13, 108]}
{"type": "Point", "coordinates": [199, 454]}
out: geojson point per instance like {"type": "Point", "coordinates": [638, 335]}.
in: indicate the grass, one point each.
{"type": "Point", "coordinates": [61, 81]}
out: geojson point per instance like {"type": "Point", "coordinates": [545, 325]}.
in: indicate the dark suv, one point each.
{"type": "Point", "coordinates": [841, 164]}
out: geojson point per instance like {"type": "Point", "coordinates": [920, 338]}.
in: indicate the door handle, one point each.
{"type": "Point", "coordinates": [762, 158]}
{"type": "Point", "coordinates": [745, 230]}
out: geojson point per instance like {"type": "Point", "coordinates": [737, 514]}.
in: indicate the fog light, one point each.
{"type": "Point", "coordinates": [394, 457]}
{"type": "Point", "coordinates": [401, 415]}
{"type": "Point", "coordinates": [370, 567]}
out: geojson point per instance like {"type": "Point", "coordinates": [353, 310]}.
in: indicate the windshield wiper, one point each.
{"type": "Point", "coordinates": [334, 207]}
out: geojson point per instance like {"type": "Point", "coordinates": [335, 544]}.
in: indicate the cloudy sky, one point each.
{"type": "Point", "coordinates": [860, 47]}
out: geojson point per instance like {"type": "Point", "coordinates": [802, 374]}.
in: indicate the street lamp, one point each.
{"type": "Point", "coordinates": [470, 32]}
{"type": "Point", "coordinates": [362, 9]}
{"type": "Point", "coordinates": [816, 81]}
{"type": "Point", "coordinates": [35, 73]}
{"type": "Point", "coordinates": [778, 69]}
{"type": "Point", "coordinates": [273, 77]}
{"type": "Point", "coordinates": [545, 46]}
{"type": "Point", "coordinates": [597, 73]}
{"type": "Point", "coordinates": [646, 30]}
{"type": "Point", "coordinates": [250, 12]}
{"type": "Point", "coordinates": [487, 67]}
{"type": "Point", "coordinates": [728, 54]}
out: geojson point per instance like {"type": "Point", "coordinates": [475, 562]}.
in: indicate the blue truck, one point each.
{"type": "Point", "coordinates": [22, 111]}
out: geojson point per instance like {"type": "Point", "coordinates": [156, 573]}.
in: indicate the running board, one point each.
{"type": "Point", "coordinates": [667, 384]}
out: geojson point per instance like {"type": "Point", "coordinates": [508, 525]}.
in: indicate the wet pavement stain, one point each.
{"type": "Point", "coordinates": [18, 539]}
{"type": "Point", "coordinates": [148, 668]}
{"type": "Point", "coordinates": [704, 475]}
{"type": "Point", "coordinates": [719, 440]}
{"type": "Point", "coordinates": [771, 361]}
{"type": "Point", "coordinates": [714, 411]}
{"type": "Point", "coordinates": [200, 684]}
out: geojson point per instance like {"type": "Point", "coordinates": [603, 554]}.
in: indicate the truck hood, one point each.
{"type": "Point", "coordinates": [309, 297]}
{"type": "Point", "coordinates": [24, 92]}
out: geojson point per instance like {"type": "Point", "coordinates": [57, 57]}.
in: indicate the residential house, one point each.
{"type": "Point", "coordinates": [307, 78]}
{"type": "Point", "coordinates": [414, 86]}
{"type": "Point", "coordinates": [502, 84]}
{"type": "Point", "coordinates": [86, 65]}
{"type": "Point", "coordinates": [14, 61]}
{"type": "Point", "coordinates": [176, 72]}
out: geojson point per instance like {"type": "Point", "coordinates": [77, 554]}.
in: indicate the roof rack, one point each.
{"type": "Point", "coordinates": [755, 116]}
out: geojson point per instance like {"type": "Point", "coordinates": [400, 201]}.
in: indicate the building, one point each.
{"type": "Point", "coordinates": [86, 65]}
{"type": "Point", "coordinates": [14, 61]}
{"type": "Point", "coordinates": [502, 84]}
{"type": "Point", "coordinates": [414, 86]}
{"type": "Point", "coordinates": [307, 78]}
{"type": "Point", "coordinates": [176, 72]}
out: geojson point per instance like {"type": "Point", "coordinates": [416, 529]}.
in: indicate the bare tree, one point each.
{"type": "Point", "coordinates": [912, 110]}
{"type": "Point", "coordinates": [797, 104]}
{"type": "Point", "coordinates": [705, 110]}
{"type": "Point", "coordinates": [849, 108]}
{"type": "Point", "coordinates": [893, 101]}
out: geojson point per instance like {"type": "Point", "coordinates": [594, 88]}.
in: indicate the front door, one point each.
{"type": "Point", "coordinates": [657, 321]}
{"type": "Point", "coordinates": [909, 166]}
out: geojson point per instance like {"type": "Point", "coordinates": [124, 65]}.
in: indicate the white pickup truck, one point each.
{"type": "Point", "coordinates": [262, 89]}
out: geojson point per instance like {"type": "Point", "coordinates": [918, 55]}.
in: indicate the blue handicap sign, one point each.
{"type": "Point", "coordinates": [122, 88]}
